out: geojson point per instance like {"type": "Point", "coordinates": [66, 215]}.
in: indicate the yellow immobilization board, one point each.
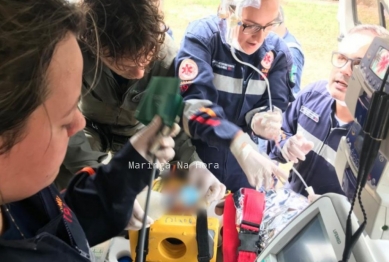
{"type": "Point", "coordinates": [173, 238]}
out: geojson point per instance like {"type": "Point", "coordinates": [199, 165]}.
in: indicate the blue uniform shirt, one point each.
{"type": "Point", "coordinates": [221, 95]}
{"type": "Point", "coordinates": [96, 206]}
{"type": "Point", "coordinates": [313, 114]}
{"type": "Point", "coordinates": [298, 60]}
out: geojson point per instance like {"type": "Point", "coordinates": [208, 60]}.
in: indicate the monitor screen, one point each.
{"type": "Point", "coordinates": [311, 244]}
{"type": "Point", "coordinates": [380, 63]}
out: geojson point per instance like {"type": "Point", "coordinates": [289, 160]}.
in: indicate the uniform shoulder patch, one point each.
{"type": "Point", "coordinates": [188, 70]}
{"type": "Point", "coordinates": [292, 74]}
{"type": "Point", "coordinates": [267, 61]}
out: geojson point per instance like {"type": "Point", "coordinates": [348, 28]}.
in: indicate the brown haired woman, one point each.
{"type": "Point", "coordinates": [40, 86]}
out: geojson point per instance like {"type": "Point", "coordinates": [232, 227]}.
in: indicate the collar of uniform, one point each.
{"type": "Point", "coordinates": [335, 123]}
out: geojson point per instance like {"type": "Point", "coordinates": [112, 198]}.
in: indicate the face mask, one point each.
{"type": "Point", "coordinates": [340, 102]}
{"type": "Point", "coordinates": [234, 18]}
{"type": "Point", "coordinates": [233, 25]}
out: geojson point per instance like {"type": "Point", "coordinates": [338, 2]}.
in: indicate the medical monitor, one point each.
{"type": "Point", "coordinates": [310, 244]}
{"type": "Point", "coordinates": [316, 235]}
{"type": "Point", "coordinates": [375, 63]}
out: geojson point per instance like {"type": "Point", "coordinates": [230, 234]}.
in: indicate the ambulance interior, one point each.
{"type": "Point", "coordinates": [330, 229]}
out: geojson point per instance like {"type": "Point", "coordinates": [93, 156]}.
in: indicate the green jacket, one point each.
{"type": "Point", "coordinates": [101, 104]}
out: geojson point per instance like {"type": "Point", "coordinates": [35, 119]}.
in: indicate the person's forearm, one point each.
{"type": "Point", "coordinates": [103, 198]}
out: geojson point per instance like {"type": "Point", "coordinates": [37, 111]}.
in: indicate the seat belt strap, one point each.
{"type": "Point", "coordinates": [253, 207]}
{"type": "Point", "coordinates": [252, 213]}
{"type": "Point", "coordinates": [230, 233]}
{"type": "Point", "coordinates": [202, 236]}
{"type": "Point", "coordinates": [146, 246]}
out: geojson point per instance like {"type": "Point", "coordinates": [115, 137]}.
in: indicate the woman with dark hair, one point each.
{"type": "Point", "coordinates": [40, 87]}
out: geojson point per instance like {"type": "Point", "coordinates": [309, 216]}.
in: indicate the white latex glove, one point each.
{"type": "Point", "coordinates": [145, 138]}
{"type": "Point", "coordinates": [296, 148]}
{"type": "Point", "coordinates": [268, 124]}
{"type": "Point", "coordinates": [137, 218]}
{"type": "Point", "coordinates": [257, 167]}
{"type": "Point", "coordinates": [209, 185]}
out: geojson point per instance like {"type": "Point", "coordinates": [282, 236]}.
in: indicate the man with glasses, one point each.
{"type": "Point", "coordinates": [314, 124]}
{"type": "Point", "coordinates": [227, 100]}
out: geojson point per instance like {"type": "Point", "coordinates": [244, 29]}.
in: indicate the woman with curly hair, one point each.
{"type": "Point", "coordinates": [128, 40]}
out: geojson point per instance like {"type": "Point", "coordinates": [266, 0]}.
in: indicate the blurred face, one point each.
{"type": "Point", "coordinates": [352, 48]}
{"type": "Point", "coordinates": [266, 15]}
{"type": "Point", "coordinates": [127, 68]}
{"type": "Point", "coordinates": [33, 163]}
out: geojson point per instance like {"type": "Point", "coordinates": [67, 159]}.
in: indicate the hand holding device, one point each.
{"type": "Point", "coordinates": [268, 124]}
{"type": "Point", "coordinates": [257, 167]}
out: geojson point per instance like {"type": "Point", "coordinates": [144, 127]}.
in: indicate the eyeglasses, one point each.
{"type": "Point", "coordinates": [253, 29]}
{"type": "Point", "coordinates": [339, 60]}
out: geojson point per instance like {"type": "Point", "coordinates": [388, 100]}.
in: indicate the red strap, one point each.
{"type": "Point", "coordinates": [230, 233]}
{"type": "Point", "coordinates": [253, 207]}
{"type": "Point", "coordinates": [245, 256]}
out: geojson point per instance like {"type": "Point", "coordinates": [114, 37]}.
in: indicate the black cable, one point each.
{"type": "Point", "coordinates": [375, 130]}
{"type": "Point", "coordinates": [361, 204]}
{"type": "Point", "coordinates": [349, 235]}
{"type": "Point", "coordinates": [142, 236]}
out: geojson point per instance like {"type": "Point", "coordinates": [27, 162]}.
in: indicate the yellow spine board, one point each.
{"type": "Point", "coordinates": [173, 238]}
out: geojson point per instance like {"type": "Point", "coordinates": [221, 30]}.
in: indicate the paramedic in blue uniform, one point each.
{"type": "Point", "coordinates": [40, 86]}
{"type": "Point", "coordinates": [295, 50]}
{"type": "Point", "coordinates": [298, 63]}
{"type": "Point", "coordinates": [316, 121]}
{"type": "Point", "coordinates": [225, 99]}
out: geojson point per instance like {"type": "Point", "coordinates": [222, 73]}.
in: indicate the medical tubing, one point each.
{"type": "Point", "coordinates": [270, 104]}
{"type": "Point", "coordinates": [164, 131]}
{"type": "Point", "coordinates": [293, 168]}
{"type": "Point", "coordinates": [140, 248]}
{"type": "Point", "coordinates": [259, 72]}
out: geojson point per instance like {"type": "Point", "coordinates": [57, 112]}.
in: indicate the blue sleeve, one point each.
{"type": "Point", "coordinates": [203, 118]}
{"type": "Point", "coordinates": [297, 69]}
{"type": "Point", "coordinates": [103, 198]}
{"type": "Point", "coordinates": [280, 86]}
{"type": "Point", "coordinates": [289, 127]}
